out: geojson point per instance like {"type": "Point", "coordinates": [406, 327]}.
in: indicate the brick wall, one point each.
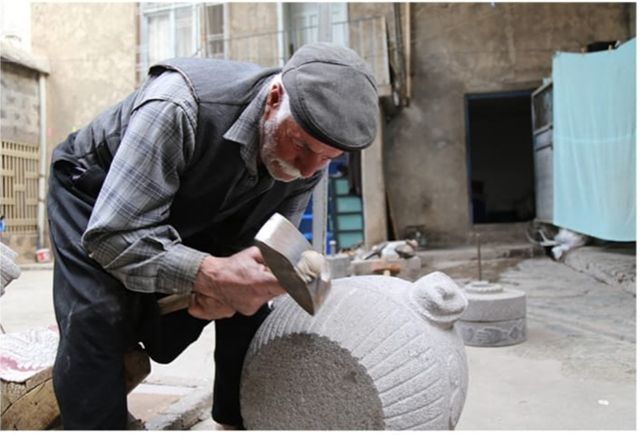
{"type": "Point", "coordinates": [19, 122]}
{"type": "Point", "coordinates": [19, 104]}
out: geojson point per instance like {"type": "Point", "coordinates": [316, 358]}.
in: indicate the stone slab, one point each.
{"type": "Point", "coordinates": [409, 268]}
{"type": "Point", "coordinates": [182, 414]}
{"type": "Point", "coordinates": [612, 264]}
{"type": "Point", "coordinates": [339, 265]}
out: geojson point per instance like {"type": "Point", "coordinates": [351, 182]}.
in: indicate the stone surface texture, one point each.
{"type": "Point", "coordinates": [499, 305]}
{"type": "Point", "coordinates": [493, 333]}
{"type": "Point", "coordinates": [339, 265]}
{"type": "Point", "coordinates": [495, 315]}
{"type": "Point", "coordinates": [380, 354]}
{"type": "Point", "coordinates": [614, 264]}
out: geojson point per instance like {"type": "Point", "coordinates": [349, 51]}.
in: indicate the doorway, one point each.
{"type": "Point", "coordinates": [500, 157]}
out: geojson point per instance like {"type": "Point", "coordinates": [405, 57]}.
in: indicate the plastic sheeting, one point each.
{"type": "Point", "coordinates": [594, 142]}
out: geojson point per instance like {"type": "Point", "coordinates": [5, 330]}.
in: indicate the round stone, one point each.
{"type": "Point", "coordinates": [496, 333]}
{"type": "Point", "coordinates": [483, 287]}
{"type": "Point", "coordinates": [504, 304]}
{"type": "Point", "coordinates": [380, 353]}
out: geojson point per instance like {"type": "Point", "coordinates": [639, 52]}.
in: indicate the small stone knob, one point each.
{"type": "Point", "coordinates": [438, 299]}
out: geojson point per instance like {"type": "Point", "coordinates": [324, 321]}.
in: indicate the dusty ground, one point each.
{"type": "Point", "coordinates": [577, 369]}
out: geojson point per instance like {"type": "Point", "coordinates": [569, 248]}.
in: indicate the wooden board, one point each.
{"type": "Point", "coordinates": [30, 405]}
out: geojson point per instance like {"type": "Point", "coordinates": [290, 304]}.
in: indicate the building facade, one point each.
{"type": "Point", "coordinates": [452, 78]}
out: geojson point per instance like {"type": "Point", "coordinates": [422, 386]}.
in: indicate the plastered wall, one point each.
{"type": "Point", "coordinates": [473, 48]}
{"type": "Point", "coordinates": [91, 48]}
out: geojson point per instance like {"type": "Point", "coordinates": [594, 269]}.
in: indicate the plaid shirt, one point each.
{"type": "Point", "coordinates": [127, 232]}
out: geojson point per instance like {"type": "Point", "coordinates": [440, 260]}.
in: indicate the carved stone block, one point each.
{"type": "Point", "coordinates": [381, 353]}
{"type": "Point", "coordinates": [495, 316]}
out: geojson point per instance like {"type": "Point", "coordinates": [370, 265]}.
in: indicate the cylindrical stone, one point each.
{"type": "Point", "coordinates": [500, 305]}
{"type": "Point", "coordinates": [495, 315]}
{"type": "Point", "coordinates": [371, 358]}
{"type": "Point", "coordinates": [493, 333]}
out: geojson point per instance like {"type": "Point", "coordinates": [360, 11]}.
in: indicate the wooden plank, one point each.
{"type": "Point", "coordinates": [13, 391]}
{"type": "Point", "coordinates": [19, 222]}
{"type": "Point", "coordinates": [36, 409]}
{"type": "Point", "coordinates": [374, 191]}
{"type": "Point", "coordinates": [368, 37]}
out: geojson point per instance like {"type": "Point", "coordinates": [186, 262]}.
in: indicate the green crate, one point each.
{"type": "Point", "coordinates": [349, 222]}
{"type": "Point", "coordinates": [346, 204]}
{"type": "Point", "coordinates": [341, 186]}
{"type": "Point", "coordinates": [346, 240]}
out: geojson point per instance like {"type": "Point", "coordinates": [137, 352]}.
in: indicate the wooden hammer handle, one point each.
{"type": "Point", "coordinates": [174, 302]}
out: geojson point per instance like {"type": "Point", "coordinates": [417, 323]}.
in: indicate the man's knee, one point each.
{"type": "Point", "coordinates": [96, 328]}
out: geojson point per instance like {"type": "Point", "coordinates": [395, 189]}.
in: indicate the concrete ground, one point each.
{"type": "Point", "coordinates": [576, 371]}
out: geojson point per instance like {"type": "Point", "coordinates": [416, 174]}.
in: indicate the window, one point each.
{"type": "Point", "coordinates": [301, 21]}
{"type": "Point", "coordinates": [214, 30]}
{"type": "Point", "coordinates": [168, 30]}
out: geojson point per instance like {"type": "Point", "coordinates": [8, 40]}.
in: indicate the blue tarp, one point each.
{"type": "Point", "coordinates": [594, 142]}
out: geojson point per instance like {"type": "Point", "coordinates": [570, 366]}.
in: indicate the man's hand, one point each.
{"type": "Point", "coordinates": [241, 283]}
{"type": "Point", "coordinates": [209, 308]}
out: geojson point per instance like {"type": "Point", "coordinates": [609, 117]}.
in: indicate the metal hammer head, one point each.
{"type": "Point", "coordinates": [282, 246]}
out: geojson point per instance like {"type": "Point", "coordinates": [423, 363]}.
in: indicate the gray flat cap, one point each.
{"type": "Point", "coordinates": [333, 95]}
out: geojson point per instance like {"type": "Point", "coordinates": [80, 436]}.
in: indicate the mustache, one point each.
{"type": "Point", "coordinates": [287, 168]}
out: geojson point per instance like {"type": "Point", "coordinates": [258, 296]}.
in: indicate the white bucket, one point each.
{"type": "Point", "coordinates": [43, 255]}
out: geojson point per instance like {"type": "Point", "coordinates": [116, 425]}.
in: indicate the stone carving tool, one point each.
{"type": "Point", "coordinates": [301, 271]}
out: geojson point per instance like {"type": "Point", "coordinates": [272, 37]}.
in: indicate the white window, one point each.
{"type": "Point", "coordinates": [214, 21]}
{"type": "Point", "coordinates": [301, 24]}
{"type": "Point", "coordinates": [168, 30]}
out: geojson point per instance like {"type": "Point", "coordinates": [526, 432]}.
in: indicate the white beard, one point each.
{"type": "Point", "coordinates": [276, 167]}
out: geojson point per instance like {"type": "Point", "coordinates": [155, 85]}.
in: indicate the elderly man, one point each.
{"type": "Point", "coordinates": [164, 192]}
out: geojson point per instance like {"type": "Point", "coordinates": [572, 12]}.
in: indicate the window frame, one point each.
{"type": "Point", "coordinates": [147, 10]}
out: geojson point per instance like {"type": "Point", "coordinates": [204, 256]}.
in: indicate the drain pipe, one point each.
{"type": "Point", "coordinates": [320, 194]}
{"type": "Point", "coordinates": [43, 159]}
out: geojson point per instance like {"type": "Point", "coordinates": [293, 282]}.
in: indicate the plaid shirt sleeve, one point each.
{"type": "Point", "coordinates": [127, 232]}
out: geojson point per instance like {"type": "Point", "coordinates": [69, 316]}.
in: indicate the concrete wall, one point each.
{"type": "Point", "coordinates": [456, 49]}
{"type": "Point", "coordinates": [92, 52]}
{"type": "Point", "coordinates": [91, 48]}
{"type": "Point", "coordinates": [473, 48]}
{"type": "Point", "coordinates": [19, 104]}
{"type": "Point", "coordinates": [262, 47]}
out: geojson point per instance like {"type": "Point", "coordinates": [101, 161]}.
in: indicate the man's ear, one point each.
{"type": "Point", "coordinates": [274, 97]}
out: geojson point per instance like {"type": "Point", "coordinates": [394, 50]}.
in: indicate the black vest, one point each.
{"type": "Point", "coordinates": [223, 89]}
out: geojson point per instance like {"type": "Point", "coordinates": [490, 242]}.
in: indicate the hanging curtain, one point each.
{"type": "Point", "coordinates": [159, 38]}
{"type": "Point", "coordinates": [594, 142]}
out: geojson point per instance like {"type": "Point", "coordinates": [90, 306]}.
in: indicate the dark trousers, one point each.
{"type": "Point", "coordinates": [99, 320]}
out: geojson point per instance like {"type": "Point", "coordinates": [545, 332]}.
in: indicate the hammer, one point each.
{"type": "Point", "coordinates": [302, 272]}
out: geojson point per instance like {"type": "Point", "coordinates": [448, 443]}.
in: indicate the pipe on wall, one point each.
{"type": "Point", "coordinates": [43, 159]}
{"type": "Point", "coordinates": [321, 191]}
